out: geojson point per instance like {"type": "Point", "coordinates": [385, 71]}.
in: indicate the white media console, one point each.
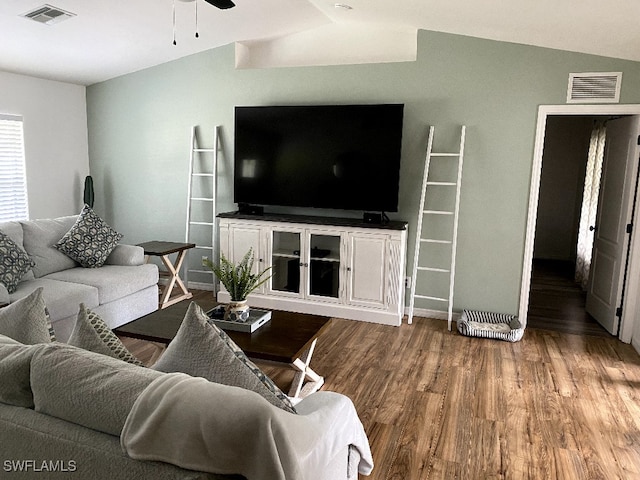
{"type": "Point", "coordinates": [326, 266]}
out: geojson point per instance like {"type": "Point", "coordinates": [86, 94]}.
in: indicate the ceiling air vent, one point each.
{"type": "Point", "coordinates": [599, 87]}
{"type": "Point", "coordinates": [48, 15]}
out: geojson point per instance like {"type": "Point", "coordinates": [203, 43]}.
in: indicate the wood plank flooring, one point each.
{"type": "Point", "coordinates": [437, 405]}
{"type": "Point", "coordinates": [557, 303]}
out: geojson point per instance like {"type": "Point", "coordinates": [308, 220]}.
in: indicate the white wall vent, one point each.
{"type": "Point", "coordinates": [598, 87]}
{"type": "Point", "coordinates": [48, 15]}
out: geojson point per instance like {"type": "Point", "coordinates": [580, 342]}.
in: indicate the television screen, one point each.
{"type": "Point", "coordinates": [321, 156]}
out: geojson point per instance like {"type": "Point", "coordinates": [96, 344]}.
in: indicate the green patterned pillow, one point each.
{"type": "Point", "coordinates": [93, 334]}
{"type": "Point", "coordinates": [90, 241]}
{"type": "Point", "coordinates": [14, 263]}
{"type": "Point", "coordinates": [201, 349]}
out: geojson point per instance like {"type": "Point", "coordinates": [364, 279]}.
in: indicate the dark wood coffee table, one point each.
{"type": "Point", "coordinates": [288, 338]}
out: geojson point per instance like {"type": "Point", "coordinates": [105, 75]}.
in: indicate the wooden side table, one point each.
{"type": "Point", "coordinates": [163, 250]}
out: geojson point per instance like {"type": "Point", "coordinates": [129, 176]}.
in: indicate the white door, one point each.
{"type": "Point", "coordinates": [368, 275]}
{"type": "Point", "coordinates": [615, 204]}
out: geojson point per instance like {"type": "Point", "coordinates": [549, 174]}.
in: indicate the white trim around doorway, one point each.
{"type": "Point", "coordinates": [631, 310]}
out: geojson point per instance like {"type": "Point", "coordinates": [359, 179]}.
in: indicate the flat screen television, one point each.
{"type": "Point", "coordinates": [321, 156]}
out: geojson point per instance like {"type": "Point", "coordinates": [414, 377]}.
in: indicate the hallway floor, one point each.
{"type": "Point", "coordinates": [557, 303]}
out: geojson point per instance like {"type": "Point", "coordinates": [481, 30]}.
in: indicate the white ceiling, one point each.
{"type": "Point", "coordinates": [110, 38]}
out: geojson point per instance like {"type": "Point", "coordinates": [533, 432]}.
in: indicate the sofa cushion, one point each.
{"type": "Point", "coordinates": [112, 281]}
{"type": "Point", "coordinates": [130, 255]}
{"type": "Point", "coordinates": [14, 263]}
{"type": "Point", "coordinates": [14, 231]}
{"type": "Point", "coordinates": [201, 349]}
{"type": "Point", "coordinates": [91, 333]}
{"type": "Point", "coordinates": [27, 320]}
{"type": "Point", "coordinates": [90, 240]}
{"type": "Point", "coordinates": [86, 388]}
{"type": "Point", "coordinates": [62, 298]}
{"type": "Point", "coordinates": [15, 364]}
{"type": "Point", "coordinates": [40, 237]}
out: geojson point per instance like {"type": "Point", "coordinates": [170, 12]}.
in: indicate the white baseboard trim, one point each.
{"type": "Point", "coordinates": [435, 314]}
{"type": "Point", "coordinates": [201, 286]}
{"type": "Point", "coordinates": [192, 285]}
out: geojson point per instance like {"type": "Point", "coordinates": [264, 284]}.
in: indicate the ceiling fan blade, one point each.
{"type": "Point", "coordinates": [222, 4]}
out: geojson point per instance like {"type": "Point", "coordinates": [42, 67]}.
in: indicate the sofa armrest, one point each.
{"type": "Point", "coordinates": [126, 255]}
{"type": "Point", "coordinates": [4, 296]}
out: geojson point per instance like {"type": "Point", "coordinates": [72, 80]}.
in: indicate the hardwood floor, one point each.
{"type": "Point", "coordinates": [557, 303]}
{"type": "Point", "coordinates": [437, 405]}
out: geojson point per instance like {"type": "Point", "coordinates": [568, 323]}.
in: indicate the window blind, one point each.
{"type": "Point", "coordinates": [13, 183]}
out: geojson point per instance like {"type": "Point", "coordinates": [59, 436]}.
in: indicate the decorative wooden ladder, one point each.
{"type": "Point", "coordinates": [203, 172]}
{"type": "Point", "coordinates": [430, 242]}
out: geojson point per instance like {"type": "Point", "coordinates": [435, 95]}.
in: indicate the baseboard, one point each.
{"type": "Point", "coordinates": [191, 285]}
{"type": "Point", "coordinates": [201, 286]}
{"type": "Point", "coordinates": [435, 314]}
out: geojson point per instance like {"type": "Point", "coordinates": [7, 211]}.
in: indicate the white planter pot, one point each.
{"type": "Point", "coordinates": [237, 311]}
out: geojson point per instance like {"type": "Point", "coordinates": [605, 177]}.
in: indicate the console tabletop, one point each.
{"type": "Point", "coordinates": [317, 220]}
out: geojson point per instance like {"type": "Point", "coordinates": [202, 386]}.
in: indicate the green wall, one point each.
{"type": "Point", "coordinates": [139, 134]}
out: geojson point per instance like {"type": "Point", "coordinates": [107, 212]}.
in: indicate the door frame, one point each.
{"type": "Point", "coordinates": [632, 302]}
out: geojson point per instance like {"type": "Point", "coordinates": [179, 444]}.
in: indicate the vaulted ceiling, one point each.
{"type": "Point", "coordinates": [107, 39]}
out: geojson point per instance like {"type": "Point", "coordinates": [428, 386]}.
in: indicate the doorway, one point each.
{"type": "Point", "coordinates": [633, 306]}
{"type": "Point", "coordinates": [556, 300]}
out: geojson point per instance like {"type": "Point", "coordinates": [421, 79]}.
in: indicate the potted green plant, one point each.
{"type": "Point", "coordinates": [239, 281]}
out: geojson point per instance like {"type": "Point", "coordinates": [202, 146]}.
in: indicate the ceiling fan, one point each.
{"type": "Point", "coordinates": [221, 4]}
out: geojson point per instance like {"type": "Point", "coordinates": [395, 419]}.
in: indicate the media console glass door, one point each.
{"type": "Point", "coordinates": [306, 263]}
{"type": "Point", "coordinates": [286, 262]}
{"type": "Point", "coordinates": [323, 265]}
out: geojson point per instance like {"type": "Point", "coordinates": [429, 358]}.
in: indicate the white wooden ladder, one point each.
{"type": "Point", "coordinates": [429, 242]}
{"type": "Point", "coordinates": [203, 163]}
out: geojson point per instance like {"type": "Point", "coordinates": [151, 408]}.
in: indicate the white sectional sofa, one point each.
{"type": "Point", "coordinates": [123, 289]}
{"type": "Point", "coordinates": [70, 413]}
{"type": "Point", "coordinates": [204, 411]}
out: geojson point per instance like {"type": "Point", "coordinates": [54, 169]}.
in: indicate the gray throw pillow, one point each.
{"type": "Point", "coordinates": [201, 349]}
{"type": "Point", "coordinates": [93, 334]}
{"type": "Point", "coordinates": [14, 263]}
{"type": "Point", "coordinates": [90, 241]}
{"type": "Point", "coordinates": [27, 320]}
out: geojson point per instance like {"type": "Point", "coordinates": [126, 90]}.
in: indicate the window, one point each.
{"type": "Point", "coordinates": [13, 183]}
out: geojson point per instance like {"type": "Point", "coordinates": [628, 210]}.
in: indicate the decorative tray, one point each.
{"type": "Point", "coordinates": [257, 318]}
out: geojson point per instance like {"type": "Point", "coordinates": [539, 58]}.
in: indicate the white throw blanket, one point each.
{"type": "Point", "coordinates": [200, 425]}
